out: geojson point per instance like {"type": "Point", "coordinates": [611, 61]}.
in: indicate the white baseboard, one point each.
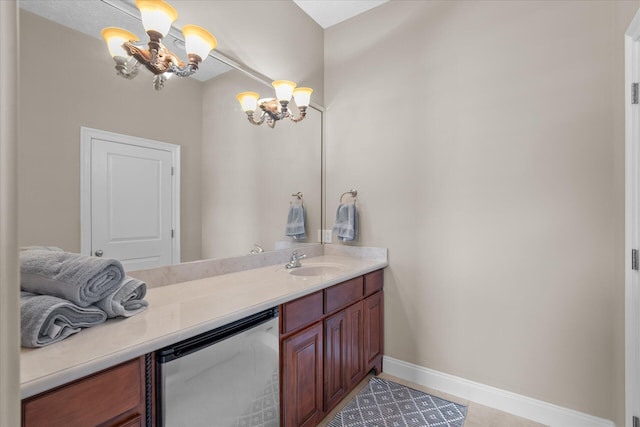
{"type": "Point", "coordinates": [522, 406]}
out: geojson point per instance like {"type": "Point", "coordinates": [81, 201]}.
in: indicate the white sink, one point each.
{"type": "Point", "coordinates": [317, 270]}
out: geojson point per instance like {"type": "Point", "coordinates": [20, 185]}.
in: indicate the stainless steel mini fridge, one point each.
{"type": "Point", "coordinates": [227, 377]}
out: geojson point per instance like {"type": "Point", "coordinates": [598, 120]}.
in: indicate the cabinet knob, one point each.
{"type": "Point", "coordinates": [99, 252]}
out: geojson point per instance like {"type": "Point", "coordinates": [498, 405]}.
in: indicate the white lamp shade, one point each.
{"type": "Point", "coordinates": [115, 37]}
{"type": "Point", "coordinates": [198, 41]}
{"type": "Point", "coordinates": [302, 95]}
{"type": "Point", "coordinates": [157, 15]}
{"type": "Point", "coordinates": [248, 100]}
{"type": "Point", "coordinates": [284, 89]}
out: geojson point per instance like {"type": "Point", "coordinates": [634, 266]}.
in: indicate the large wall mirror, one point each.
{"type": "Point", "coordinates": [236, 180]}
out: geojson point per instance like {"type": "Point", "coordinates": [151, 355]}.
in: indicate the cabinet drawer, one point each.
{"type": "Point", "coordinates": [90, 401]}
{"type": "Point", "coordinates": [373, 282]}
{"type": "Point", "coordinates": [301, 312]}
{"type": "Point", "coordinates": [342, 295]}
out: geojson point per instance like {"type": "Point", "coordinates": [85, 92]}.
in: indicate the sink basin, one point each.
{"type": "Point", "coordinates": [316, 270]}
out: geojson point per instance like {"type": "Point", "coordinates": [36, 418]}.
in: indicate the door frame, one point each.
{"type": "Point", "coordinates": [86, 135]}
{"type": "Point", "coordinates": [632, 221]}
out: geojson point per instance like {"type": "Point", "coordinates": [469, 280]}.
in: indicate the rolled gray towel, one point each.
{"type": "Point", "coordinates": [78, 278]}
{"type": "Point", "coordinates": [127, 300]}
{"type": "Point", "coordinates": [45, 319]}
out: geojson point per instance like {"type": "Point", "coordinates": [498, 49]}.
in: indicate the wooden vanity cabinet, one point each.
{"type": "Point", "coordinates": [330, 340]}
{"type": "Point", "coordinates": [115, 397]}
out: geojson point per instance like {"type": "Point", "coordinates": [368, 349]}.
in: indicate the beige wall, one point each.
{"type": "Point", "coordinates": [58, 95]}
{"type": "Point", "coordinates": [249, 172]}
{"type": "Point", "coordinates": [486, 142]}
{"type": "Point", "coordinates": [275, 38]}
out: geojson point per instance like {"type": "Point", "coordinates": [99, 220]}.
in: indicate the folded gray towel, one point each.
{"type": "Point", "coordinates": [45, 319]}
{"type": "Point", "coordinates": [346, 225]}
{"type": "Point", "coordinates": [295, 223]}
{"type": "Point", "coordinates": [80, 279]}
{"type": "Point", "coordinates": [127, 300]}
{"type": "Point", "coordinates": [41, 248]}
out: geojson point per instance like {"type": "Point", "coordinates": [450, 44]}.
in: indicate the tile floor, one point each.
{"type": "Point", "coordinates": [477, 415]}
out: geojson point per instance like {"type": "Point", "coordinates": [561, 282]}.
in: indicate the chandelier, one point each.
{"type": "Point", "coordinates": [274, 109]}
{"type": "Point", "coordinates": [157, 17]}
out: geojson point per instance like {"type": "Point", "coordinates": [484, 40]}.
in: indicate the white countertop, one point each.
{"type": "Point", "coordinates": [176, 312]}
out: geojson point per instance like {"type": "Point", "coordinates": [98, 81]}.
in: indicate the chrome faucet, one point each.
{"type": "Point", "coordinates": [294, 262]}
{"type": "Point", "coordinates": [259, 249]}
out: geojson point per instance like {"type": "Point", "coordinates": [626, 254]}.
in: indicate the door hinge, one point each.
{"type": "Point", "coordinates": [634, 262]}
{"type": "Point", "coordinates": [172, 233]}
{"type": "Point", "coordinates": [173, 169]}
{"type": "Point", "coordinates": [634, 93]}
{"type": "Point", "coordinates": [636, 422]}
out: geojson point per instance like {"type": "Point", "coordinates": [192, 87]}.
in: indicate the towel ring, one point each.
{"type": "Point", "coordinates": [298, 195]}
{"type": "Point", "coordinates": [353, 192]}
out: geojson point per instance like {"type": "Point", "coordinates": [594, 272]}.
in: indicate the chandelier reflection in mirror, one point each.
{"type": "Point", "coordinates": [274, 109]}
{"type": "Point", "coordinates": [157, 17]}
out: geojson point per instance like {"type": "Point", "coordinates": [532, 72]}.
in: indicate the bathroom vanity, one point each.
{"type": "Point", "coordinates": [331, 336]}
{"type": "Point", "coordinates": [330, 340]}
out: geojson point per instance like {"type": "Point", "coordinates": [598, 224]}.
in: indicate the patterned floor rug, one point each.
{"type": "Point", "coordinates": [383, 403]}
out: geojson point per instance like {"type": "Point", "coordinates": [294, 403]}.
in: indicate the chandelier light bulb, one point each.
{"type": "Point", "coordinates": [302, 96]}
{"type": "Point", "coordinates": [115, 37]}
{"type": "Point", "coordinates": [284, 89]}
{"type": "Point", "coordinates": [248, 100]}
{"type": "Point", "coordinates": [198, 41]}
{"type": "Point", "coordinates": [157, 16]}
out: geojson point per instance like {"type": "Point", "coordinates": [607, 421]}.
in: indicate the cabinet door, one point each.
{"type": "Point", "coordinates": [302, 377]}
{"type": "Point", "coordinates": [335, 348]}
{"type": "Point", "coordinates": [354, 358]}
{"type": "Point", "coordinates": [373, 331]}
{"type": "Point", "coordinates": [343, 353]}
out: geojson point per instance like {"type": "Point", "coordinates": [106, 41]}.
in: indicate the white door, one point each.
{"type": "Point", "coordinates": [132, 202]}
{"type": "Point", "coordinates": [632, 222]}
